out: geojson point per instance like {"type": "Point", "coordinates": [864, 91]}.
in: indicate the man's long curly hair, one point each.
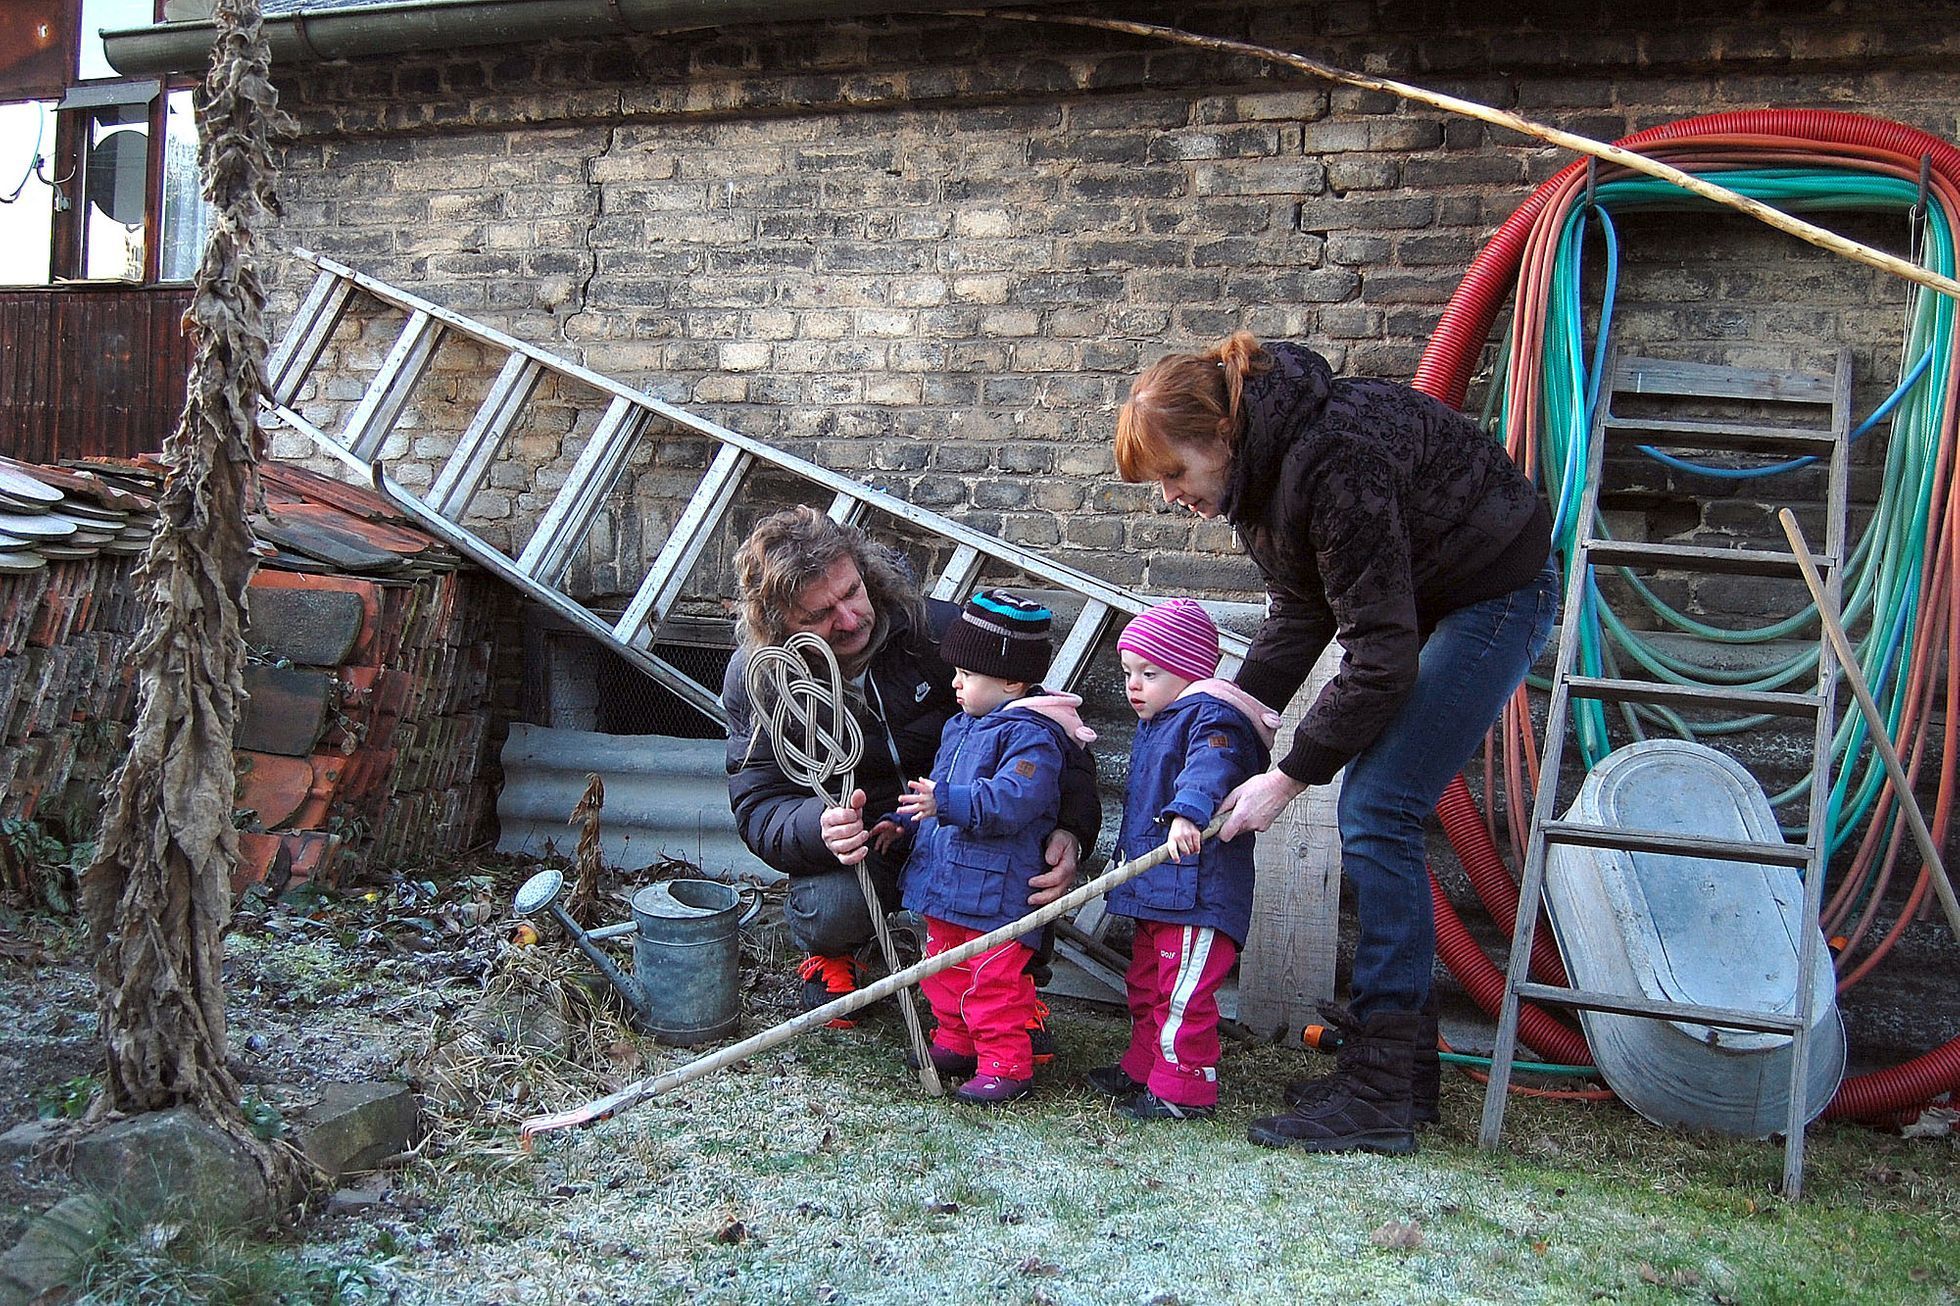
{"type": "Point", "coordinates": [789, 549]}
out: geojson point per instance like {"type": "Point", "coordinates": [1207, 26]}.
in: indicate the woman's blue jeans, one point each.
{"type": "Point", "coordinates": [1471, 663]}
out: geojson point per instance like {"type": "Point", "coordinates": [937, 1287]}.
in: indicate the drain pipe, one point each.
{"type": "Point", "coordinates": [310, 34]}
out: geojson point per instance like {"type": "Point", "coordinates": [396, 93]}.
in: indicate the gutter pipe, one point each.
{"type": "Point", "coordinates": [312, 34]}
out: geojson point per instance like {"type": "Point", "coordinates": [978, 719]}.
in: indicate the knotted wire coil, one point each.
{"type": "Point", "coordinates": [798, 694]}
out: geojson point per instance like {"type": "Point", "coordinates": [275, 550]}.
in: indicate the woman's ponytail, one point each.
{"type": "Point", "coordinates": [1239, 355]}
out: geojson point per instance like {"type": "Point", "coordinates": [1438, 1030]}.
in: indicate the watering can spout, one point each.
{"type": "Point", "coordinates": [540, 893]}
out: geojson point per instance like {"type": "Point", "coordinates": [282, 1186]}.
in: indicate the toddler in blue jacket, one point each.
{"type": "Point", "coordinates": [1197, 739]}
{"type": "Point", "coordinates": [982, 817]}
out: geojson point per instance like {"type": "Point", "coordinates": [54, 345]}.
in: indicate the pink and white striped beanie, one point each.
{"type": "Point", "coordinates": [1177, 635]}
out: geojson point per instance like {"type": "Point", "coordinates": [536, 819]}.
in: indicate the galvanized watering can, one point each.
{"type": "Point", "coordinates": [686, 981]}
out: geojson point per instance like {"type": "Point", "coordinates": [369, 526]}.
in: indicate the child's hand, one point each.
{"type": "Point", "coordinates": [886, 834]}
{"type": "Point", "coordinates": [918, 802]}
{"type": "Point", "coordinates": [1185, 837]}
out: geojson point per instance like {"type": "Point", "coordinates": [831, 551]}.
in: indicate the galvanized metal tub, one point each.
{"type": "Point", "coordinates": [1689, 930]}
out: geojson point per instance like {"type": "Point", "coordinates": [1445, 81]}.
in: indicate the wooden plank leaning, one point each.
{"type": "Point", "coordinates": [1874, 722]}
{"type": "Point", "coordinates": [633, 1094]}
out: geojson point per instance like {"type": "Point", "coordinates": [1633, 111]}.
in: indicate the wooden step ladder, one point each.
{"type": "Point", "coordinates": [1821, 406]}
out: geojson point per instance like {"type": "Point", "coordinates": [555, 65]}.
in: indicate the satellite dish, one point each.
{"type": "Point", "coordinates": [119, 175]}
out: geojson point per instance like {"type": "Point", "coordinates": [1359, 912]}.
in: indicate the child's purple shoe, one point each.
{"type": "Point", "coordinates": [953, 1065]}
{"type": "Point", "coordinates": [992, 1090]}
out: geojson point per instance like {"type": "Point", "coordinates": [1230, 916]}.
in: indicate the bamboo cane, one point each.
{"type": "Point", "coordinates": [633, 1094]}
{"type": "Point", "coordinates": [1821, 237]}
{"type": "Point", "coordinates": [1874, 722]}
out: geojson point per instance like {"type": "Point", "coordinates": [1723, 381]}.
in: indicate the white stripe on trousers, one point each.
{"type": "Point", "coordinates": [1194, 942]}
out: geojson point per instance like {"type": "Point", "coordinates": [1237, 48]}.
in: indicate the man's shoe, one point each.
{"type": "Point", "coordinates": [1148, 1106]}
{"type": "Point", "coordinates": [1425, 1077]}
{"type": "Point", "coordinates": [826, 979]}
{"type": "Point", "coordinates": [1112, 1081]}
{"type": "Point", "coordinates": [1364, 1105]}
{"type": "Point", "coordinates": [992, 1090]}
{"type": "Point", "coordinates": [1039, 1038]}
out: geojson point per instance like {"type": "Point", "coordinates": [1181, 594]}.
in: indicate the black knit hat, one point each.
{"type": "Point", "coordinates": [1002, 636]}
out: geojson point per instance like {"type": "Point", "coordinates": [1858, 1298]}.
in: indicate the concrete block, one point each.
{"type": "Point", "coordinates": [358, 1126]}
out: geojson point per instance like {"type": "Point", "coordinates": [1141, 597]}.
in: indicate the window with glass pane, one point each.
{"type": "Point", "coordinates": [113, 15]}
{"type": "Point", "coordinates": [27, 175]}
{"type": "Point", "coordinates": [186, 217]}
{"type": "Point", "coordinates": [115, 188]}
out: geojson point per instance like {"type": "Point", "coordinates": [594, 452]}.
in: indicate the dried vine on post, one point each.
{"type": "Point", "coordinates": [158, 895]}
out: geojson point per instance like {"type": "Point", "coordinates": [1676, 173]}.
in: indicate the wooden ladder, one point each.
{"type": "Point", "coordinates": [1822, 403]}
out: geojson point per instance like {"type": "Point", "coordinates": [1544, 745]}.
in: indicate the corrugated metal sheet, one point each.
{"type": "Point", "coordinates": [665, 797]}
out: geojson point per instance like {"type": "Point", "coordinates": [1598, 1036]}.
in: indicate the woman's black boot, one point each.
{"type": "Point", "coordinates": [1425, 1080]}
{"type": "Point", "coordinates": [1365, 1104]}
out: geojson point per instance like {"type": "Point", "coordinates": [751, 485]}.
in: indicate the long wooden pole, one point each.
{"type": "Point", "coordinates": [1874, 721]}
{"type": "Point", "coordinates": [1821, 237]}
{"type": "Point", "coordinates": [635, 1093]}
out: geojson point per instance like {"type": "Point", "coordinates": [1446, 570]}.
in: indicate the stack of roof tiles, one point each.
{"type": "Point", "coordinates": [369, 669]}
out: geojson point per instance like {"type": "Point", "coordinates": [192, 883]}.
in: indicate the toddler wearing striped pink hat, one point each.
{"type": "Point", "coordinates": [1197, 739]}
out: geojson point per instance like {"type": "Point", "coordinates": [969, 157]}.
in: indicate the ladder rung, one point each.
{"type": "Point", "coordinates": [691, 533]}
{"type": "Point", "coordinates": [846, 508]}
{"type": "Point", "coordinates": [312, 326]}
{"type": "Point", "coordinates": [1692, 1013]}
{"type": "Point", "coordinates": [961, 568]}
{"type": "Point", "coordinates": [1075, 650]}
{"type": "Point", "coordinates": [1692, 696]}
{"type": "Point", "coordinates": [1578, 834]}
{"type": "Point", "coordinates": [387, 394]}
{"type": "Point", "coordinates": [1697, 558]}
{"type": "Point", "coordinates": [1742, 437]}
{"type": "Point", "coordinates": [462, 474]}
{"type": "Point", "coordinates": [592, 478]}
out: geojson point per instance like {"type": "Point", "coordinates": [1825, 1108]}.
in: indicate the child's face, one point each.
{"type": "Point", "coordinates": [979, 695]}
{"type": "Point", "coordinates": [1150, 688]}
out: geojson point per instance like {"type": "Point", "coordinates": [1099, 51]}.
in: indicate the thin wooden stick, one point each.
{"type": "Point", "coordinates": [1874, 721]}
{"type": "Point", "coordinates": [633, 1094]}
{"type": "Point", "coordinates": [1821, 237]}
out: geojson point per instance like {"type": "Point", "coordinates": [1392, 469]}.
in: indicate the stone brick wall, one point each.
{"type": "Point", "coordinates": [931, 252]}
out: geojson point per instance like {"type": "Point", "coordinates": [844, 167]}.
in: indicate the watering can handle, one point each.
{"type": "Point", "coordinates": [752, 893]}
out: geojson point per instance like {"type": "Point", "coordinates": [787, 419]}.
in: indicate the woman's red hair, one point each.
{"type": "Point", "coordinates": [1186, 399]}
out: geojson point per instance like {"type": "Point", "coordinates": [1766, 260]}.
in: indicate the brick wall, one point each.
{"type": "Point", "coordinates": [932, 252]}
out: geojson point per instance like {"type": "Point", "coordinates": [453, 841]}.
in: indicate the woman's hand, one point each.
{"type": "Point", "coordinates": [844, 833]}
{"type": "Point", "coordinates": [1257, 803]}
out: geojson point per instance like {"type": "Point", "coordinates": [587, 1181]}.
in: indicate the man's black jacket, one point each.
{"type": "Point", "coordinates": [907, 699]}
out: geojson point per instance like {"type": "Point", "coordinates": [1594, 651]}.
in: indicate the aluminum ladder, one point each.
{"type": "Point", "coordinates": [1821, 406]}
{"type": "Point", "coordinates": [631, 419]}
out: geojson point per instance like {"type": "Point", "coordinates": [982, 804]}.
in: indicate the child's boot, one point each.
{"type": "Point", "coordinates": [1146, 1105]}
{"type": "Point", "coordinates": [992, 1090]}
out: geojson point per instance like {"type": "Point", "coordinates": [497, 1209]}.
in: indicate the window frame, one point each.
{"type": "Point", "coordinates": [67, 237]}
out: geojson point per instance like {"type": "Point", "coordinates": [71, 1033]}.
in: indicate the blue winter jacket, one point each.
{"type": "Point", "coordinates": [998, 784]}
{"type": "Point", "coordinates": [1183, 763]}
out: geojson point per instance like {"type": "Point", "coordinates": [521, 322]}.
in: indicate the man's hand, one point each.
{"type": "Point", "coordinates": [844, 833]}
{"type": "Point", "coordinates": [1063, 854]}
{"type": "Point", "coordinates": [1257, 803]}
